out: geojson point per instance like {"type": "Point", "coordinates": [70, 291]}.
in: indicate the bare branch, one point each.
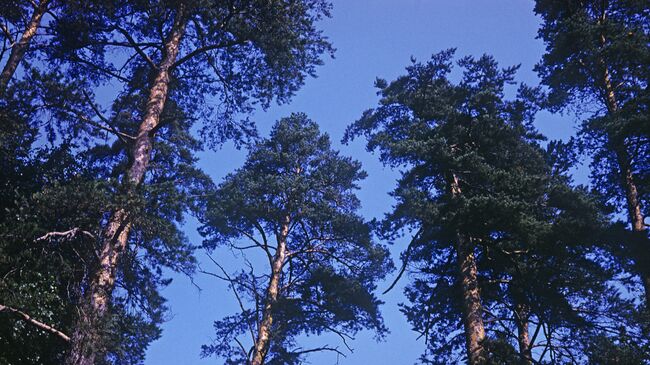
{"type": "Point", "coordinates": [204, 49]}
{"type": "Point", "coordinates": [234, 289]}
{"type": "Point", "coordinates": [407, 254]}
{"type": "Point", "coordinates": [111, 128]}
{"type": "Point", "coordinates": [318, 349]}
{"type": "Point", "coordinates": [137, 48]}
{"type": "Point", "coordinates": [121, 135]}
{"type": "Point", "coordinates": [27, 318]}
{"type": "Point", "coordinates": [65, 234]}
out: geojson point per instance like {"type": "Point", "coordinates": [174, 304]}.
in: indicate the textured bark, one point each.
{"type": "Point", "coordinates": [468, 279]}
{"type": "Point", "coordinates": [86, 341]}
{"type": "Point", "coordinates": [522, 314]}
{"type": "Point", "coordinates": [263, 340]}
{"type": "Point", "coordinates": [19, 48]}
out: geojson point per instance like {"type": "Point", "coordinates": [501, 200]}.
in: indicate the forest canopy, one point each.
{"type": "Point", "coordinates": [115, 115]}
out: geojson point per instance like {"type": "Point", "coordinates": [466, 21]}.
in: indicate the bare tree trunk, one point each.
{"type": "Point", "coordinates": [522, 314]}
{"type": "Point", "coordinates": [86, 341]}
{"type": "Point", "coordinates": [264, 332]}
{"type": "Point", "coordinates": [19, 48]}
{"type": "Point", "coordinates": [472, 307]}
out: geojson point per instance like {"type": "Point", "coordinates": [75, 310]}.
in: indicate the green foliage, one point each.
{"type": "Point", "coordinates": [587, 41]}
{"type": "Point", "coordinates": [332, 265]}
{"type": "Point", "coordinates": [533, 234]}
{"type": "Point", "coordinates": [66, 154]}
{"type": "Point", "coordinates": [235, 56]}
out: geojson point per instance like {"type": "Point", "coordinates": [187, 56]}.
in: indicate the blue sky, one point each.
{"type": "Point", "coordinates": [373, 38]}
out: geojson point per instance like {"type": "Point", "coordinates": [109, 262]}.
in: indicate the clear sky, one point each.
{"type": "Point", "coordinates": [373, 38]}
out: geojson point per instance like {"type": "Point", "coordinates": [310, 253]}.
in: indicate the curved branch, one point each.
{"type": "Point", "coordinates": [407, 253]}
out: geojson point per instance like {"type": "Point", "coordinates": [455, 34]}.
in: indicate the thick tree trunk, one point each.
{"type": "Point", "coordinates": [86, 341]}
{"type": "Point", "coordinates": [522, 314]}
{"type": "Point", "coordinates": [468, 279]}
{"type": "Point", "coordinates": [628, 182]}
{"type": "Point", "coordinates": [19, 48]}
{"type": "Point", "coordinates": [263, 340]}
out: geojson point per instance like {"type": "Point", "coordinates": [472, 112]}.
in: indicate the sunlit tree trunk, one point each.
{"type": "Point", "coordinates": [86, 342]}
{"type": "Point", "coordinates": [468, 279]}
{"type": "Point", "coordinates": [20, 47]}
{"type": "Point", "coordinates": [263, 340]}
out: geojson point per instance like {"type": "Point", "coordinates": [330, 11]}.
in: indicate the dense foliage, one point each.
{"type": "Point", "coordinates": [474, 170]}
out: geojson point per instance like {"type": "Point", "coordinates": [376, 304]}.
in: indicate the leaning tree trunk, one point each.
{"type": "Point", "coordinates": [86, 343]}
{"type": "Point", "coordinates": [263, 341]}
{"type": "Point", "coordinates": [19, 48]}
{"type": "Point", "coordinates": [522, 315]}
{"type": "Point", "coordinates": [628, 182]}
{"type": "Point", "coordinates": [468, 279]}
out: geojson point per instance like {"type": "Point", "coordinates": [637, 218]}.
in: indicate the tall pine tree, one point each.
{"type": "Point", "coordinates": [293, 202]}
{"type": "Point", "coordinates": [499, 236]}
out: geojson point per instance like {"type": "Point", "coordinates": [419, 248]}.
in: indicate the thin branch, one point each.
{"type": "Point", "coordinates": [101, 69]}
{"type": "Point", "coordinates": [407, 254]}
{"type": "Point", "coordinates": [27, 318]}
{"type": "Point", "coordinates": [204, 49]}
{"type": "Point", "coordinates": [343, 336]}
{"type": "Point", "coordinates": [7, 33]}
{"type": "Point", "coordinates": [317, 349]}
{"type": "Point", "coordinates": [120, 135]}
{"type": "Point", "coordinates": [234, 289]}
{"type": "Point", "coordinates": [137, 48]}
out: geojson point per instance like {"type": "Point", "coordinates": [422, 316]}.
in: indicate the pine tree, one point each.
{"type": "Point", "coordinates": [499, 236]}
{"type": "Point", "coordinates": [181, 57]}
{"type": "Point", "coordinates": [597, 60]}
{"type": "Point", "coordinates": [293, 201]}
{"type": "Point", "coordinates": [55, 196]}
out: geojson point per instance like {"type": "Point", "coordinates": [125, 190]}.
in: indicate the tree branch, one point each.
{"type": "Point", "coordinates": [407, 253]}
{"type": "Point", "coordinates": [135, 46]}
{"type": "Point", "coordinates": [207, 48]}
{"type": "Point", "coordinates": [65, 234]}
{"type": "Point", "coordinates": [27, 318]}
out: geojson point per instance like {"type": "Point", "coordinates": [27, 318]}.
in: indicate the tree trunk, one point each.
{"type": "Point", "coordinates": [633, 203]}
{"type": "Point", "coordinates": [264, 331]}
{"type": "Point", "coordinates": [468, 278]}
{"type": "Point", "coordinates": [86, 340]}
{"type": "Point", "coordinates": [19, 48]}
{"type": "Point", "coordinates": [522, 314]}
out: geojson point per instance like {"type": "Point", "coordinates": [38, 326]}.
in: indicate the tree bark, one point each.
{"type": "Point", "coordinates": [19, 48]}
{"type": "Point", "coordinates": [86, 341]}
{"type": "Point", "coordinates": [468, 279]}
{"type": "Point", "coordinates": [272, 291]}
{"type": "Point", "coordinates": [522, 314]}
